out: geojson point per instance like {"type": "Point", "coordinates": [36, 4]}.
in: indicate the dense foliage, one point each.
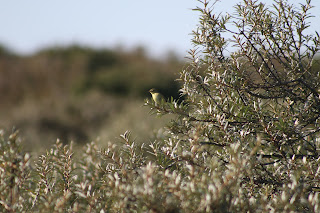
{"type": "Point", "coordinates": [244, 140]}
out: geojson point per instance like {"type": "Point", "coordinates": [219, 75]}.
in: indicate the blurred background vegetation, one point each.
{"type": "Point", "coordinates": [77, 93]}
{"type": "Point", "coordinates": [80, 93]}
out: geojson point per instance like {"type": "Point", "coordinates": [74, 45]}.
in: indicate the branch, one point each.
{"type": "Point", "coordinates": [287, 156]}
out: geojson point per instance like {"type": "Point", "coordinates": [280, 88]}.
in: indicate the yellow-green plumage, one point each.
{"type": "Point", "coordinates": [156, 96]}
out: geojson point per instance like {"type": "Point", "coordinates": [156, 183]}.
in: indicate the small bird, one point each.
{"type": "Point", "coordinates": [157, 97]}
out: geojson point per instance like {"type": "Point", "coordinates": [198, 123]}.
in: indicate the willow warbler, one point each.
{"type": "Point", "coordinates": [157, 97]}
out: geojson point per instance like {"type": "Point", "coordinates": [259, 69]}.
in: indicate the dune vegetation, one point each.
{"type": "Point", "coordinates": [239, 131]}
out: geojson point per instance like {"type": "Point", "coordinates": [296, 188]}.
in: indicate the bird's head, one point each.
{"type": "Point", "coordinates": [153, 90]}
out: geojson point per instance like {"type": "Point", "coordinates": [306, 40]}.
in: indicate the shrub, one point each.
{"type": "Point", "coordinates": [250, 124]}
{"type": "Point", "coordinates": [244, 140]}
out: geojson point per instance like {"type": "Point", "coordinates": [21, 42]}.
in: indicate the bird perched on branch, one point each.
{"type": "Point", "coordinates": [157, 96]}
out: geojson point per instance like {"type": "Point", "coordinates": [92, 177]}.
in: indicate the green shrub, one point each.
{"type": "Point", "coordinates": [244, 140]}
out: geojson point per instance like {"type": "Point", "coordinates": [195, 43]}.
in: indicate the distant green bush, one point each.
{"type": "Point", "coordinates": [128, 74]}
{"type": "Point", "coordinates": [102, 59]}
{"type": "Point", "coordinates": [5, 52]}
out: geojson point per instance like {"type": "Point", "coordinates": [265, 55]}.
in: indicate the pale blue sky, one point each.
{"type": "Point", "coordinates": [159, 25]}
